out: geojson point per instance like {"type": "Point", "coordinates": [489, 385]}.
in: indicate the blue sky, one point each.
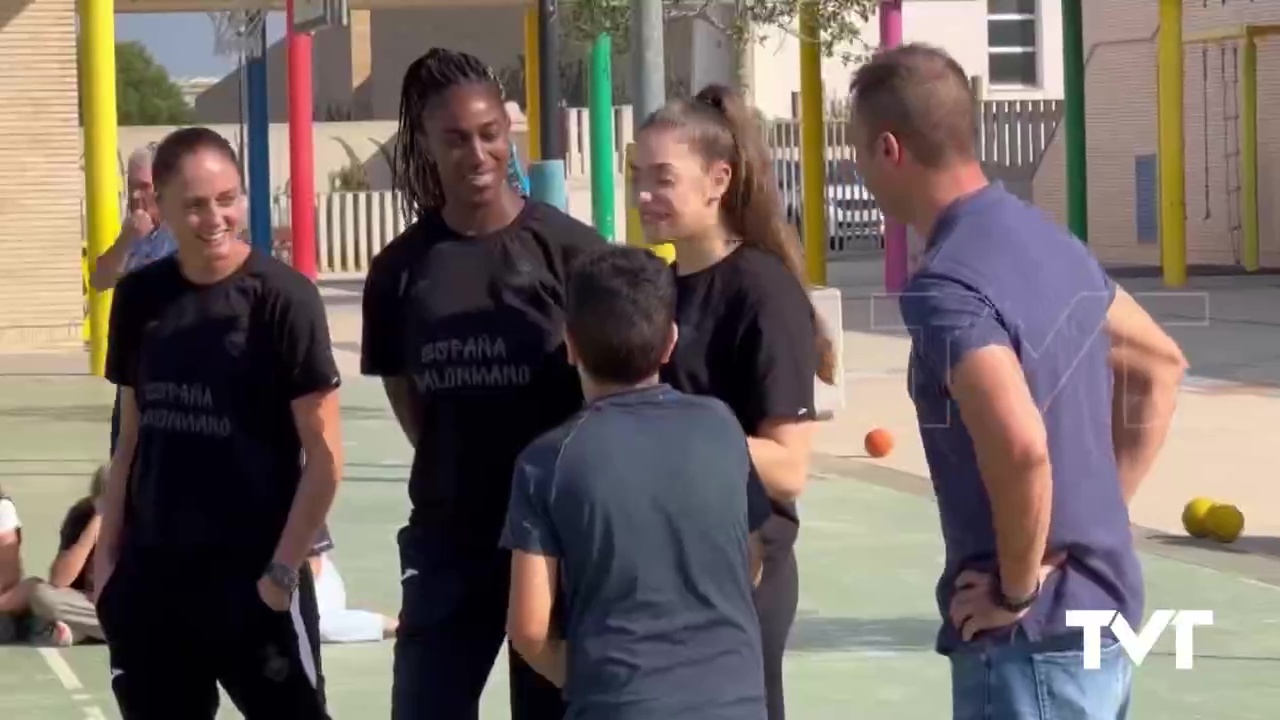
{"type": "Point", "coordinates": [183, 42]}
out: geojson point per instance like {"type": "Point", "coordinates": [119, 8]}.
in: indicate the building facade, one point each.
{"type": "Point", "coordinates": [1121, 132]}
{"type": "Point", "coordinates": [1013, 46]}
{"type": "Point", "coordinates": [40, 190]}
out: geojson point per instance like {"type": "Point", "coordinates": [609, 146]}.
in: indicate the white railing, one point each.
{"type": "Point", "coordinates": [351, 227]}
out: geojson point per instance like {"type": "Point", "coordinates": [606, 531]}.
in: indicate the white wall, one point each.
{"type": "Point", "coordinates": [712, 56]}
{"type": "Point", "coordinates": [957, 26]}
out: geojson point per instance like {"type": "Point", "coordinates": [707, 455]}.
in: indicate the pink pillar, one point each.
{"type": "Point", "coordinates": [302, 174]}
{"type": "Point", "coordinates": [895, 233]}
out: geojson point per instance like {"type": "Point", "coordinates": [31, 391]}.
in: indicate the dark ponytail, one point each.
{"type": "Point", "coordinates": [425, 80]}
{"type": "Point", "coordinates": [721, 127]}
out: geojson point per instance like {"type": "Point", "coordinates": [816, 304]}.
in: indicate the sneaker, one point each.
{"type": "Point", "coordinates": [55, 634]}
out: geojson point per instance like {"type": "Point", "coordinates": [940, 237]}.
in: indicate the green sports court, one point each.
{"type": "Point", "coordinates": [869, 552]}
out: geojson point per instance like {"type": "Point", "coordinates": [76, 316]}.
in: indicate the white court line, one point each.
{"type": "Point", "coordinates": [67, 677]}
{"type": "Point", "coordinates": [1258, 583]}
{"type": "Point", "coordinates": [59, 666]}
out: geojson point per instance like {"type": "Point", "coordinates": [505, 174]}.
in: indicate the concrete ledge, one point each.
{"type": "Point", "coordinates": [41, 337]}
{"type": "Point", "coordinates": [826, 302]}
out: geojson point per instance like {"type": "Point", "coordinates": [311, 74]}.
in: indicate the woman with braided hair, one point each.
{"type": "Point", "coordinates": [463, 316]}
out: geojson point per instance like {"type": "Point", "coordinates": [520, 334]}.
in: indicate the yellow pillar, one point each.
{"type": "Point", "coordinates": [1173, 218]}
{"type": "Point", "coordinates": [812, 146]}
{"type": "Point", "coordinates": [1251, 255]}
{"type": "Point", "coordinates": [101, 176]}
{"type": "Point", "coordinates": [532, 84]}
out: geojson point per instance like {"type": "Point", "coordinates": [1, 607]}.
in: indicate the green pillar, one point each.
{"type": "Point", "coordinates": [1073, 90]}
{"type": "Point", "coordinates": [603, 157]}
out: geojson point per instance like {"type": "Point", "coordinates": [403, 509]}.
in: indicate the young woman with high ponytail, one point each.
{"type": "Point", "coordinates": [748, 332]}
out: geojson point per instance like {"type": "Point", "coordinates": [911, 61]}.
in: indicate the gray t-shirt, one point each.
{"type": "Point", "coordinates": [647, 499]}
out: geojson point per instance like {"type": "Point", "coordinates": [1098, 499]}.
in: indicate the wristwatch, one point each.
{"type": "Point", "coordinates": [282, 576]}
{"type": "Point", "coordinates": [1003, 602]}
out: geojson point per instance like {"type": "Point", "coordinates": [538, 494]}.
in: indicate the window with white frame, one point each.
{"type": "Point", "coordinates": [1012, 56]}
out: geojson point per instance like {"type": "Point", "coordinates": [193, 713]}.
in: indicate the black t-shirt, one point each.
{"type": "Point", "coordinates": [747, 335]}
{"type": "Point", "coordinates": [73, 525]}
{"type": "Point", "coordinates": [476, 323]}
{"type": "Point", "coordinates": [215, 369]}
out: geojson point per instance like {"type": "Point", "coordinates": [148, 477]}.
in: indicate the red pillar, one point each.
{"type": "Point", "coordinates": [302, 175]}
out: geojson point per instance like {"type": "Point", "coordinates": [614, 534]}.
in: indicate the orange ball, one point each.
{"type": "Point", "coordinates": [879, 443]}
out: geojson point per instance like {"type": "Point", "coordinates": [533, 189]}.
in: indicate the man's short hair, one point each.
{"type": "Point", "coordinates": [922, 96]}
{"type": "Point", "coordinates": [619, 312]}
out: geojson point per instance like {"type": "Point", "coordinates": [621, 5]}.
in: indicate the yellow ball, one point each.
{"type": "Point", "coordinates": [1193, 517]}
{"type": "Point", "coordinates": [1224, 523]}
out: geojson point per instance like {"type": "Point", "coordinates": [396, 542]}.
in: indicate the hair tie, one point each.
{"type": "Point", "coordinates": [715, 101]}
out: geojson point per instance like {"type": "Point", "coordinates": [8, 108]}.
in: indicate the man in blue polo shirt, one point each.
{"type": "Point", "coordinates": [1043, 393]}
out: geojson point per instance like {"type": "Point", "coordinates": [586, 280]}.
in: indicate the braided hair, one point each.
{"type": "Point", "coordinates": [426, 79]}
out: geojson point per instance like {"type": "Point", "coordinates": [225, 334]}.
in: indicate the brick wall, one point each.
{"type": "Point", "coordinates": [1120, 88]}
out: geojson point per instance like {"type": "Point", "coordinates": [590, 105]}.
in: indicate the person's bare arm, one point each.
{"type": "Point", "coordinates": [10, 559]}
{"type": "Point", "coordinates": [108, 267]}
{"type": "Point", "coordinates": [316, 565]}
{"type": "Point", "coordinates": [1148, 367]}
{"type": "Point", "coordinates": [529, 615]}
{"type": "Point", "coordinates": [69, 563]}
{"type": "Point", "coordinates": [404, 406]}
{"type": "Point", "coordinates": [319, 427]}
{"type": "Point", "coordinates": [104, 559]}
{"type": "Point", "coordinates": [1011, 444]}
{"type": "Point", "coordinates": [781, 455]}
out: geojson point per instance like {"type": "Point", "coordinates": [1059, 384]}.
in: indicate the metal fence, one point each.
{"type": "Point", "coordinates": [352, 227]}
{"type": "Point", "coordinates": [1012, 138]}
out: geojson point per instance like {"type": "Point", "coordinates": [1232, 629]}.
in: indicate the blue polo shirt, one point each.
{"type": "Point", "coordinates": [160, 243]}
{"type": "Point", "coordinates": [997, 271]}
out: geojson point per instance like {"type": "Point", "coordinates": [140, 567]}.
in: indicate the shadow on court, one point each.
{"type": "Point", "coordinates": [1247, 545]}
{"type": "Point", "coordinates": [897, 634]}
{"type": "Point", "coordinates": [400, 480]}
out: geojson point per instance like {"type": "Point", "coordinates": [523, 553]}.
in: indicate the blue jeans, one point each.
{"type": "Point", "coordinates": [1043, 680]}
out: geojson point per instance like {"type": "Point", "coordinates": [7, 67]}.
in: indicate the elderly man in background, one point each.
{"type": "Point", "coordinates": [142, 239]}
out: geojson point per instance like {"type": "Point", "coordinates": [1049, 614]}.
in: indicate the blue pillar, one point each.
{"type": "Point", "coordinates": [547, 183]}
{"type": "Point", "coordinates": [259, 137]}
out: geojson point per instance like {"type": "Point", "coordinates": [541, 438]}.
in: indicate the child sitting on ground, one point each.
{"type": "Point", "coordinates": [639, 514]}
{"type": "Point", "coordinates": [63, 604]}
{"type": "Point", "coordinates": [15, 592]}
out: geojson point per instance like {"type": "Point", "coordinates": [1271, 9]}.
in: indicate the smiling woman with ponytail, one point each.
{"type": "Point", "coordinates": [748, 332]}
